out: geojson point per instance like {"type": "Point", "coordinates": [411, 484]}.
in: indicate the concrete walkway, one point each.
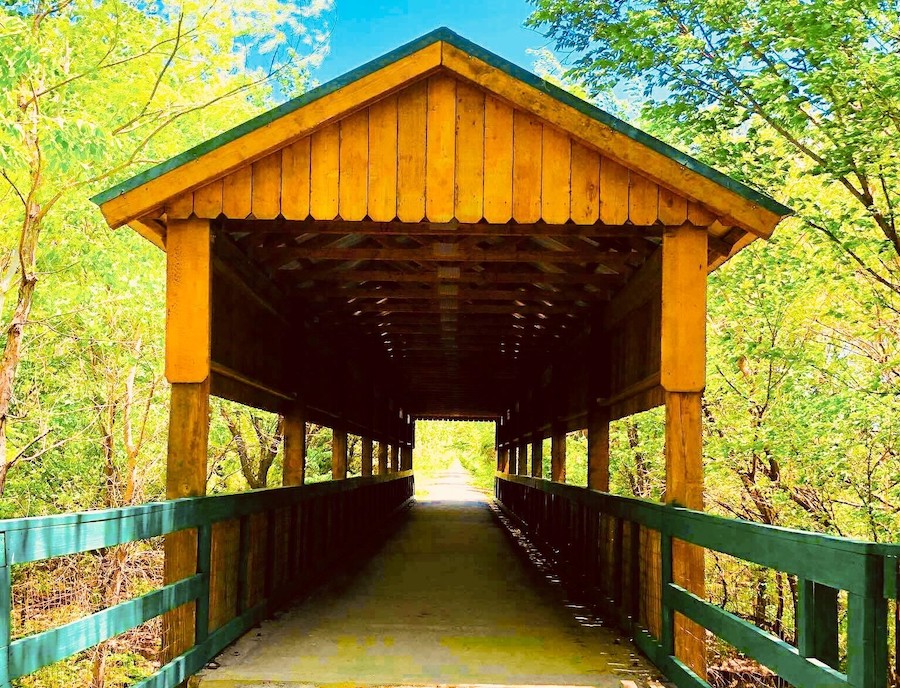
{"type": "Point", "coordinates": [447, 601]}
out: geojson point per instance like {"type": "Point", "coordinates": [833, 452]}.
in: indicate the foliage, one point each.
{"type": "Point", "coordinates": [801, 406]}
{"type": "Point", "coordinates": [764, 89]}
{"type": "Point", "coordinates": [440, 443]}
{"type": "Point", "coordinates": [90, 92]}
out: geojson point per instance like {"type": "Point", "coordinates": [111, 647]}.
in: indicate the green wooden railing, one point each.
{"type": "Point", "coordinates": [284, 539]}
{"type": "Point", "coordinates": [621, 549]}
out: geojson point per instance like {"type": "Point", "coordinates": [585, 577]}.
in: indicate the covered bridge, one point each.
{"type": "Point", "coordinates": [440, 234]}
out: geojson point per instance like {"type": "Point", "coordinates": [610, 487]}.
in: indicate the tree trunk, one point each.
{"type": "Point", "coordinates": [12, 349]}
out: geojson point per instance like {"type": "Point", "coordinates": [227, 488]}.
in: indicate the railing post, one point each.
{"type": "Point", "coordinates": [537, 456]}
{"type": "Point", "coordinates": [382, 458]}
{"type": "Point", "coordinates": [294, 462]}
{"type": "Point", "coordinates": [634, 603]}
{"type": "Point", "coordinates": [5, 612]}
{"type": "Point", "coordinates": [338, 454]}
{"type": "Point", "coordinates": [598, 449]}
{"type": "Point", "coordinates": [667, 616]}
{"type": "Point", "coordinates": [204, 568]}
{"type": "Point", "coordinates": [558, 454]}
{"type": "Point", "coordinates": [243, 591]}
{"type": "Point", "coordinates": [867, 636]}
{"type": "Point", "coordinates": [817, 622]}
{"type": "Point", "coordinates": [366, 462]}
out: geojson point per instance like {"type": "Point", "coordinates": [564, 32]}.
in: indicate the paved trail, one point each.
{"type": "Point", "coordinates": [446, 601]}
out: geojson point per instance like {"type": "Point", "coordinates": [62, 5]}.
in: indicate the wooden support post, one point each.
{"type": "Point", "coordinates": [366, 464]}
{"type": "Point", "coordinates": [188, 307]}
{"type": "Point", "coordinates": [523, 458]}
{"type": "Point", "coordinates": [382, 458]}
{"type": "Point", "coordinates": [537, 457]}
{"type": "Point", "coordinates": [598, 449]}
{"type": "Point", "coordinates": [513, 460]}
{"type": "Point", "coordinates": [405, 457]}
{"type": "Point", "coordinates": [395, 458]}
{"type": "Point", "coordinates": [683, 377]}
{"type": "Point", "coordinates": [294, 467]}
{"type": "Point", "coordinates": [339, 454]}
{"type": "Point", "coordinates": [558, 454]}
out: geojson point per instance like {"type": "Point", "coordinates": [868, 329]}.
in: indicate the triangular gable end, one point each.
{"type": "Point", "coordinates": [487, 140]}
{"type": "Point", "coordinates": [439, 150]}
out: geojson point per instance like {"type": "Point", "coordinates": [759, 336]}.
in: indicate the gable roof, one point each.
{"type": "Point", "coordinates": [440, 49]}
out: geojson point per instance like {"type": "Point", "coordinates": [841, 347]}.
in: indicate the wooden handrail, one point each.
{"type": "Point", "coordinates": [868, 571]}
{"type": "Point", "coordinates": [351, 509]}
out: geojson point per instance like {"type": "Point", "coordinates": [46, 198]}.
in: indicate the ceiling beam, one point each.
{"type": "Point", "coordinates": [451, 291]}
{"type": "Point", "coordinates": [432, 229]}
{"type": "Point", "coordinates": [448, 274]}
{"type": "Point", "coordinates": [441, 306]}
{"type": "Point", "coordinates": [447, 252]}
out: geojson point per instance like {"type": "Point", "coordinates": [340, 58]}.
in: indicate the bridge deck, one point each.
{"type": "Point", "coordinates": [447, 600]}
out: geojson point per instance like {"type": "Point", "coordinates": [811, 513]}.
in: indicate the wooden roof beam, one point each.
{"type": "Point", "coordinates": [450, 275]}
{"type": "Point", "coordinates": [432, 229]}
{"type": "Point", "coordinates": [447, 252]}
{"type": "Point", "coordinates": [452, 291]}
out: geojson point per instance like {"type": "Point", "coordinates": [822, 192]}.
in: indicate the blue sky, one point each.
{"type": "Point", "coordinates": [363, 30]}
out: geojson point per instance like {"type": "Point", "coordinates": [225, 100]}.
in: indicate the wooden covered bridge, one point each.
{"type": "Point", "coordinates": [440, 234]}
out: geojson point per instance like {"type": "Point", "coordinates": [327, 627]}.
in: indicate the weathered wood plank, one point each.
{"type": "Point", "coordinates": [236, 193]}
{"type": "Point", "coordinates": [295, 179]}
{"type": "Point", "coordinates": [643, 200]}
{"type": "Point", "coordinates": [440, 156]}
{"type": "Point", "coordinates": [498, 161]}
{"type": "Point", "coordinates": [613, 192]}
{"type": "Point", "coordinates": [383, 162]}
{"type": "Point", "coordinates": [527, 135]}
{"type": "Point", "coordinates": [672, 208]}
{"type": "Point", "coordinates": [180, 207]}
{"type": "Point", "coordinates": [585, 185]}
{"type": "Point", "coordinates": [265, 196]}
{"type": "Point", "coordinates": [324, 165]}
{"type": "Point", "coordinates": [353, 166]}
{"type": "Point", "coordinates": [469, 206]}
{"type": "Point", "coordinates": [556, 171]}
{"type": "Point", "coordinates": [208, 200]}
{"type": "Point", "coordinates": [412, 115]}
{"type": "Point", "coordinates": [699, 215]}
{"type": "Point", "coordinates": [224, 573]}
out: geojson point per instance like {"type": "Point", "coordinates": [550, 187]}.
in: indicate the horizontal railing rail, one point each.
{"type": "Point", "coordinates": [277, 541]}
{"type": "Point", "coordinates": [622, 548]}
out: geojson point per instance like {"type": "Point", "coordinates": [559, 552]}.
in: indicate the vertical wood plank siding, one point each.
{"type": "Point", "coordinates": [441, 149]}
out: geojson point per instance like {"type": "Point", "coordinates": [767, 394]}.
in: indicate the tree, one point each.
{"type": "Point", "coordinates": [773, 90]}
{"type": "Point", "coordinates": [268, 433]}
{"type": "Point", "coordinates": [91, 91]}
